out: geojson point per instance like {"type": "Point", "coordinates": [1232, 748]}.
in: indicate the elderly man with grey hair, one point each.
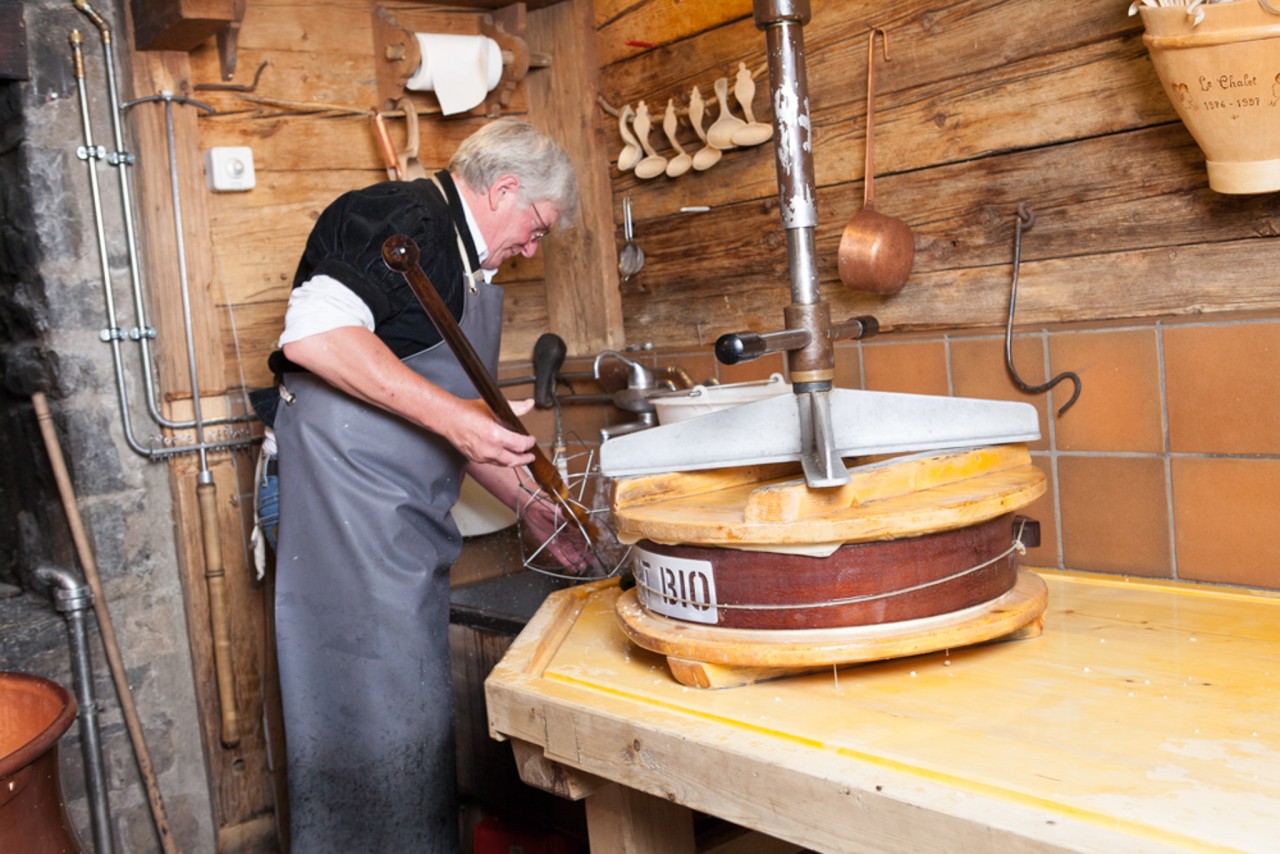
{"type": "Point", "coordinates": [380, 425]}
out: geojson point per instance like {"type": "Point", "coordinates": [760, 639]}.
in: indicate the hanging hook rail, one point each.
{"type": "Point", "coordinates": [1023, 221]}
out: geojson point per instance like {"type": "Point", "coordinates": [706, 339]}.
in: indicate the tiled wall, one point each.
{"type": "Point", "coordinates": [1167, 466]}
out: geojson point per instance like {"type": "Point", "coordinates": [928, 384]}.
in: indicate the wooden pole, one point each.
{"type": "Point", "coordinates": [123, 692]}
{"type": "Point", "coordinates": [219, 621]}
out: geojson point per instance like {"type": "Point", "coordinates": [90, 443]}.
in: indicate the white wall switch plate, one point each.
{"type": "Point", "coordinates": [229, 169]}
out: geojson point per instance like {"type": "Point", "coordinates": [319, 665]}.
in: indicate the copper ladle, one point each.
{"type": "Point", "coordinates": [876, 250]}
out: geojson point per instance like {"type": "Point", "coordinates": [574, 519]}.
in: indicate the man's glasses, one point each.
{"type": "Point", "coordinates": [542, 230]}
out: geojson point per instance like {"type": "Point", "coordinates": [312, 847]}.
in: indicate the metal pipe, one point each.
{"type": "Point", "coordinates": [112, 334]}
{"type": "Point", "coordinates": [89, 152]}
{"type": "Point", "coordinates": [184, 285]}
{"type": "Point", "coordinates": [206, 489]}
{"type": "Point", "coordinates": [120, 158]}
{"type": "Point", "coordinates": [811, 365]}
{"type": "Point", "coordinates": [782, 22]}
{"type": "Point", "coordinates": [72, 599]}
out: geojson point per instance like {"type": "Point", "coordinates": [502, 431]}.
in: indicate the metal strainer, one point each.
{"type": "Point", "coordinates": [631, 260]}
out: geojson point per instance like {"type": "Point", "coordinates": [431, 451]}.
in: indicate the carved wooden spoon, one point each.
{"type": "Point", "coordinates": [720, 134]}
{"type": "Point", "coordinates": [753, 132]}
{"type": "Point", "coordinates": [682, 162]}
{"type": "Point", "coordinates": [653, 164]}
{"type": "Point", "coordinates": [708, 155]}
{"type": "Point", "coordinates": [629, 156]}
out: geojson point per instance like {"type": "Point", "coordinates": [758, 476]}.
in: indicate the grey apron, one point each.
{"type": "Point", "coordinates": [362, 609]}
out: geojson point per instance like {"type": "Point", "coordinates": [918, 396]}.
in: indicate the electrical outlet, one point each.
{"type": "Point", "coordinates": [229, 169]}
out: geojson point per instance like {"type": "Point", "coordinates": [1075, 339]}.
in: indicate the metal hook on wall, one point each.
{"type": "Point", "coordinates": [1023, 221]}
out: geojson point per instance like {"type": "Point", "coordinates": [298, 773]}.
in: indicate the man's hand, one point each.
{"type": "Point", "coordinates": [545, 522]}
{"type": "Point", "coordinates": [481, 439]}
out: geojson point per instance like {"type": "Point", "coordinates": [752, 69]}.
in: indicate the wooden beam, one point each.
{"type": "Point", "coordinates": [629, 821]}
{"type": "Point", "coordinates": [583, 303]}
{"type": "Point", "coordinates": [240, 781]}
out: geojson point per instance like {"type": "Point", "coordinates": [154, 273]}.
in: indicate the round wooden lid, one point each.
{"type": "Point", "coordinates": [773, 506]}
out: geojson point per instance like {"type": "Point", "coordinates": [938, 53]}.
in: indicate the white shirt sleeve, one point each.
{"type": "Point", "coordinates": [321, 304]}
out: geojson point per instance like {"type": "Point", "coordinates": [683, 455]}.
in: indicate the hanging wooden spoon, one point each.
{"type": "Point", "coordinates": [629, 156]}
{"type": "Point", "coordinates": [708, 155]}
{"type": "Point", "coordinates": [720, 134]}
{"type": "Point", "coordinates": [682, 162]}
{"type": "Point", "coordinates": [753, 132]}
{"type": "Point", "coordinates": [653, 164]}
{"type": "Point", "coordinates": [876, 251]}
{"type": "Point", "coordinates": [407, 160]}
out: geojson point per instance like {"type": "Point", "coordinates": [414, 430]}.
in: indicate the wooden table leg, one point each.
{"type": "Point", "coordinates": [627, 821]}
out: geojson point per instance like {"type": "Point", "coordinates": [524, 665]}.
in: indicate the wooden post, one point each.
{"type": "Point", "coordinates": [621, 819]}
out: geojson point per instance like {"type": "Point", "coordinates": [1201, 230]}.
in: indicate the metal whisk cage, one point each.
{"type": "Point", "coordinates": [574, 545]}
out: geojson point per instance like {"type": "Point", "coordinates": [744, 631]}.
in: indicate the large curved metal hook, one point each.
{"type": "Point", "coordinates": [1024, 220]}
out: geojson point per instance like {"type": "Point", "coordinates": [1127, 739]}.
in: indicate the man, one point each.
{"type": "Point", "coordinates": [380, 425]}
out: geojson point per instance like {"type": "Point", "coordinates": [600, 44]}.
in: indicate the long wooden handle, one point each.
{"type": "Point", "coordinates": [744, 89]}
{"type": "Point", "coordinates": [401, 254]}
{"type": "Point", "coordinates": [869, 168]}
{"type": "Point", "coordinates": [219, 623]}
{"type": "Point", "coordinates": [105, 628]}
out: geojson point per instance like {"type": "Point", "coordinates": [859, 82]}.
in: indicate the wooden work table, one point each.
{"type": "Point", "coordinates": [1146, 717]}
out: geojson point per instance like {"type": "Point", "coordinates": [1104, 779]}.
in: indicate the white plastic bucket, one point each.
{"type": "Point", "coordinates": [702, 400]}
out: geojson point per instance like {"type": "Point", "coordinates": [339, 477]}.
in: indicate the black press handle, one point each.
{"type": "Point", "coordinates": [548, 357]}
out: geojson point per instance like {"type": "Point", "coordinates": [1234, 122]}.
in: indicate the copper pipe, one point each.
{"type": "Point", "coordinates": [388, 150]}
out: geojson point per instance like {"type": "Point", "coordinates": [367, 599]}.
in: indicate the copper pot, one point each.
{"type": "Point", "coordinates": [34, 715]}
{"type": "Point", "coordinates": [876, 250]}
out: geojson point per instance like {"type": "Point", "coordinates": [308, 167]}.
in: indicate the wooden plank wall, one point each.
{"type": "Point", "coordinates": [241, 251]}
{"type": "Point", "coordinates": [983, 105]}
{"type": "Point", "coordinates": [323, 53]}
{"type": "Point", "coordinates": [241, 777]}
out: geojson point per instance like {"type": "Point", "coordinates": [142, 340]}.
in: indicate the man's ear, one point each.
{"type": "Point", "coordinates": [503, 185]}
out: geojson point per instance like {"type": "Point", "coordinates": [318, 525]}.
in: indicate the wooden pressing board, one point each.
{"type": "Point", "coordinates": [772, 505]}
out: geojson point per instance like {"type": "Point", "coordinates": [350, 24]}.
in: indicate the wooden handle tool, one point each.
{"type": "Point", "coordinates": [219, 618]}
{"type": "Point", "coordinates": [401, 254]}
{"type": "Point", "coordinates": [80, 538]}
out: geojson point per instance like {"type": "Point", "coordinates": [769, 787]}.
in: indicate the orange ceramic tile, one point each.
{"type": "Point", "coordinates": [1119, 404]}
{"type": "Point", "coordinates": [541, 423]}
{"type": "Point", "coordinates": [1042, 510]}
{"type": "Point", "coordinates": [915, 367]}
{"type": "Point", "coordinates": [577, 379]}
{"type": "Point", "coordinates": [699, 366]}
{"type": "Point", "coordinates": [581, 422]}
{"type": "Point", "coordinates": [978, 370]}
{"type": "Point", "coordinates": [1223, 385]}
{"type": "Point", "coordinates": [848, 365]}
{"type": "Point", "coordinates": [509, 370]}
{"type": "Point", "coordinates": [1224, 514]}
{"type": "Point", "coordinates": [760, 369]}
{"type": "Point", "coordinates": [1115, 515]}
{"type": "Point", "coordinates": [578, 364]}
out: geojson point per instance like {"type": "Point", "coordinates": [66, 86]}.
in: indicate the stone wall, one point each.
{"type": "Point", "coordinates": [52, 309]}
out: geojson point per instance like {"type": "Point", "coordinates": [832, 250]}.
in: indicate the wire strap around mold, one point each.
{"type": "Point", "coordinates": [1016, 546]}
